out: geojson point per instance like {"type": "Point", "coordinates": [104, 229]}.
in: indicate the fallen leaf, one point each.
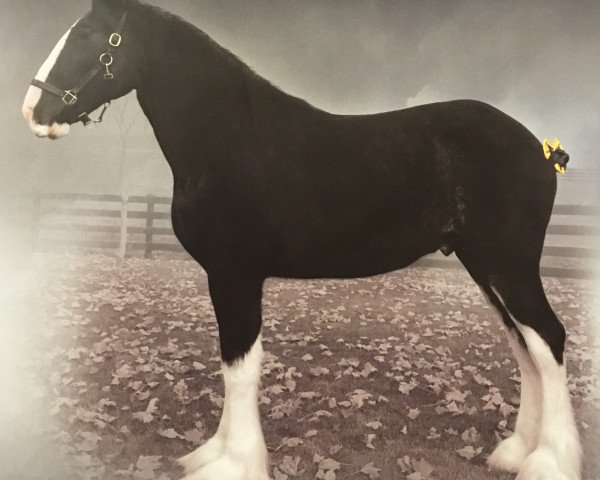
{"type": "Point", "coordinates": [413, 413]}
{"type": "Point", "coordinates": [370, 471]}
{"type": "Point", "coordinates": [169, 433]}
{"type": "Point", "coordinates": [469, 452]}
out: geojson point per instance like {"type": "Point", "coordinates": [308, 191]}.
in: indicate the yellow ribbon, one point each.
{"type": "Point", "coordinates": [549, 148]}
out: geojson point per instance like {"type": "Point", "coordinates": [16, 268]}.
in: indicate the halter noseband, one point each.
{"type": "Point", "coordinates": [69, 97]}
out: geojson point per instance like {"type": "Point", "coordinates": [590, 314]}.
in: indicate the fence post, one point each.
{"type": "Point", "coordinates": [149, 226]}
{"type": "Point", "coordinates": [123, 238]}
{"type": "Point", "coordinates": [36, 218]}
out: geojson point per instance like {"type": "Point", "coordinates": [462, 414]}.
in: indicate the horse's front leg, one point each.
{"type": "Point", "coordinates": [237, 451]}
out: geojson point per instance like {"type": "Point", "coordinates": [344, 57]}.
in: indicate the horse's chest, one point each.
{"type": "Point", "coordinates": [214, 228]}
{"type": "Point", "coordinates": [188, 225]}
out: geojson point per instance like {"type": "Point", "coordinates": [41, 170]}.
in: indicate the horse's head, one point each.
{"type": "Point", "coordinates": [93, 63]}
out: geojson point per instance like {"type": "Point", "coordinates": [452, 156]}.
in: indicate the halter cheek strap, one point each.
{"type": "Point", "coordinates": [69, 97]}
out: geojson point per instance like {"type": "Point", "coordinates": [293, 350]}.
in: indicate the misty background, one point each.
{"type": "Point", "coordinates": [537, 60]}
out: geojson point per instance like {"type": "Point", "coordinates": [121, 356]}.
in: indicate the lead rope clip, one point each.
{"type": "Point", "coordinates": [89, 122]}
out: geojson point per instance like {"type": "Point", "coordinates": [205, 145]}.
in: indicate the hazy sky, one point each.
{"type": "Point", "coordinates": [536, 60]}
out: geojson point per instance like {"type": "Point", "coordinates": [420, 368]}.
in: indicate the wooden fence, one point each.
{"type": "Point", "coordinates": [133, 224]}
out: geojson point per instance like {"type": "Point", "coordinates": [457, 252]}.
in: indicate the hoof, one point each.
{"type": "Point", "coordinates": [509, 455]}
{"type": "Point", "coordinates": [210, 452]}
{"type": "Point", "coordinates": [225, 468]}
{"type": "Point", "coordinates": [541, 464]}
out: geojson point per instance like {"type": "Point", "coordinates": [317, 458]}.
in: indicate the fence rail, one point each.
{"type": "Point", "coordinates": [143, 223]}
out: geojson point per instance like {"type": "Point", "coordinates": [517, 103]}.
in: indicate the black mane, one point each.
{"type": "Point", "coordinates": [194, 35]}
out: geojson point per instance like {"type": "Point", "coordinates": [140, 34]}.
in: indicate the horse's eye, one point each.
{"type": "Point", "coordinates": [83, 32]}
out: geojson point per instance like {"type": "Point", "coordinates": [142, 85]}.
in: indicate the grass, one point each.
{"type": "Point", "coordinates": [109, 347]}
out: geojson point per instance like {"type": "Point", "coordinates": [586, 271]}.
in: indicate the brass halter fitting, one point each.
{"type": "Point", "coordinates": [69, 98]}
{"type": "Point", "coordinates": [106, 59]}
{"type": "Point", "coordinates": [115, 40]}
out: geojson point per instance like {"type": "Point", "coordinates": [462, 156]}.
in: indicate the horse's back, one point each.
{"type": "Point", "coordinates": [481, 157]}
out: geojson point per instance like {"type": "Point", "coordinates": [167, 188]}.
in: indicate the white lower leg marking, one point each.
{"type": "Point", "coordinates": [212, 449]}
{"type": "Point", "coordinates": [238, 449]}
{"type": "Point", "coordinates": [530, 410]}
{"type": "Point", "coordinates": [511, 453]}
{"type": "Point", "coordinates": [558, 438]}
{"type": "Point", "coordinates": [557, 453]}
{"type": "Point", "coordinates": [35, 93]}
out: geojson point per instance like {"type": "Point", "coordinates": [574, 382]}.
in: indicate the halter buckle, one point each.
{"type": "Point", "coordinates": [86, 120]}
{"type": "Point", "coordinates": [115, 40]}
{"type": "Point", "coordinates": [69, 98]}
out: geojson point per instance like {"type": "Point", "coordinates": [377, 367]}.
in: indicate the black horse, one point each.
{"type": "Point", "coordinates": [266, 185]}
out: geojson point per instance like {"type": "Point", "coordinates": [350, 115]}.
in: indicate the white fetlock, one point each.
{"type": "Point", "coordinates": [238, 450]}
{"type": "Point", "coordinates": [222, 469]}
{"type": "Point", "coordinates": [210, 452]}
{"type": "Point", "coordinates": [510, 454]}
{"type": "Point", "coordinates": [228, 468]}
{"type": "Point", "coordinates": [541, 464]}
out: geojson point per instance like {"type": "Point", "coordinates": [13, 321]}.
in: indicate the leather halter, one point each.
{"type": "Point", "coordinates": [69, 97]}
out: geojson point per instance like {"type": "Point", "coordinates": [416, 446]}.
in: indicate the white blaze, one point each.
{"type": "Point", "coordinates": [34, 94]}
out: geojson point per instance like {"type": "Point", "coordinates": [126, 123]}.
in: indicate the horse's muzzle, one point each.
{"type": "Point", "coordinates": [53, 131]}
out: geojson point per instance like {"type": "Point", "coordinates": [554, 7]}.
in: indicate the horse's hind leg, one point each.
{"type": "Point", "coordinates": [511, 453]}
{"type": "Point", "coordinates": [558, 451]}
{"type": "Point", "coordinates": [545, 444]}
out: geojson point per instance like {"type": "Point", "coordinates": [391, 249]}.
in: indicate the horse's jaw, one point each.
{"type": "Point", "coordinates": [53, 131]}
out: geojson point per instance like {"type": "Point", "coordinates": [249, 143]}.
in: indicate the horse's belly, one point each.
{"type": "Point", "coordinates": [349, 259]}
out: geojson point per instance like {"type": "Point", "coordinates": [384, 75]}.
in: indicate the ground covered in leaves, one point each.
{"type": "Point", "coordinates": [114, 373]}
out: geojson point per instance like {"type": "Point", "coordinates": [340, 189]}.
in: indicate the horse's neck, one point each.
{"type": "Point", "coordinates": [201, 101]}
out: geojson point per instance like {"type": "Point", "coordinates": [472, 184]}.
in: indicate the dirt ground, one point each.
{"type": "Point", "coordinates": [112, 372]}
